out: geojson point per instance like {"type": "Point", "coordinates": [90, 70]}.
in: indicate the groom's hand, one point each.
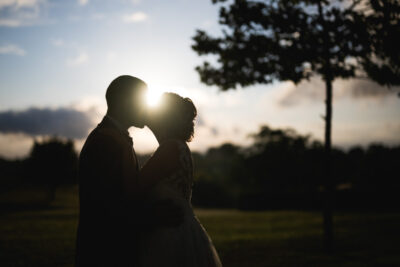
{"type": "Point", "coordinates": [168, 214]}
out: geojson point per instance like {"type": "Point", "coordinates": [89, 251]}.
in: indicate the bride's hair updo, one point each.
{"type": "Point", "coordinates": [179, 114]}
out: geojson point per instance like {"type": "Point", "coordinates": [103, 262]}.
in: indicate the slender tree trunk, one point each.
{"type": "Point", "coordinates": [328, 192]}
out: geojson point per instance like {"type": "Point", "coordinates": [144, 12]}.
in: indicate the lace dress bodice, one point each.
{"type": "Point", "coordinates": [179, 184]}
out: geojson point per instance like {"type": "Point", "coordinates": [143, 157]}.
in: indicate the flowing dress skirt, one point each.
{"type": "Point", "coordinates": [187, 245]}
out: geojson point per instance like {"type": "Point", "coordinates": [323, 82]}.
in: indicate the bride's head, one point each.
{"type": "Point", "coordinates": [173, 118]}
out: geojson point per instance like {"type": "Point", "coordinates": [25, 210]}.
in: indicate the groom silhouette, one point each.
{"type": "Point", "coordinates": [111, 216]}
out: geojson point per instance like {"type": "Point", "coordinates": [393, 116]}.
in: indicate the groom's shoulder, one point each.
{"type": "Point", "coordinates": [105, 137]}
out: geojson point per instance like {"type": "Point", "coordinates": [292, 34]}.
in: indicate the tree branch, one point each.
{"type": "Point", "coordinates": [355, 3]}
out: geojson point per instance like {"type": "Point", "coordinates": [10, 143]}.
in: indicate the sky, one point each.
{"type": "Point", "coordinates": [58, 57]}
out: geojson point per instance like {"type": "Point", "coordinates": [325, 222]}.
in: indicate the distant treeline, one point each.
{"type": "Point", "coordinates": [280, 170]}
{"type": "Point", "coordinates": [285, 170]}
{"type": "Point", "coordinates": [51, 163]}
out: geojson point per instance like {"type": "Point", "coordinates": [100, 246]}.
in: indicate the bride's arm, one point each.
{"type": "Point", "coordinates": [163, 162]}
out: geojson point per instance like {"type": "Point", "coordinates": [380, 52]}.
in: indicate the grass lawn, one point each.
{"type": "Point", "coordinates": [46, 236]}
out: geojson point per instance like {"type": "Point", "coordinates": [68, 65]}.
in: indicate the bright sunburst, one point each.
{"type": "Point", "coordinates": [153, 95]}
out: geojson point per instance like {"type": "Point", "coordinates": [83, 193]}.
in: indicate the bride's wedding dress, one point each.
{"type": "Point", "coordinates": [189, 244]}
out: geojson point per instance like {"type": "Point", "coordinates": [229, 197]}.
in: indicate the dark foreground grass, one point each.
{"type": "Point", "coordinates": [46, 236]}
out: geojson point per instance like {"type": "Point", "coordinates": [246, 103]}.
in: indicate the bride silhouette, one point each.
{"type": "Point", "coordinates": [169, 176]}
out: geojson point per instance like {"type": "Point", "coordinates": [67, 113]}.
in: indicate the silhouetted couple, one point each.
{"type": "Point", "coordinates": [132, 216]}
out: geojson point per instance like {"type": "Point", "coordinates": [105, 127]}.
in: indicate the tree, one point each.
{"type": "Point", "coordinates": [383, 65]}
{"type": "Point", "coordinates": [293, 40]}
{"type": "Point", "coordinates": [53, 162]}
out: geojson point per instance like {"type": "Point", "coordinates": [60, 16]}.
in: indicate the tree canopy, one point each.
{"type": "Point", "coordinates": [265, 41]}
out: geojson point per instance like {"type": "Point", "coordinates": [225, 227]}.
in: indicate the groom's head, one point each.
{"type": "Point", "coordinates": [126, 100]}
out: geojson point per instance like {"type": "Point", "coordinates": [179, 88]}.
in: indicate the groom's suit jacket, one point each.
{"type": "Point", "coordinates": [107, 234]}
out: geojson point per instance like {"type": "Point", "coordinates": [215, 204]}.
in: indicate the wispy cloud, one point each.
{"type": "Point", "coordinates": [83, 2]}
{"type": "Point", "coordinates": [98, 16]}
{"type": "Point", "coordinates": [12, 50]}
{"type": "Point", "coordinates": [10, 22]}
{"type": "Point", "coordinates": [314, 91]}
{"type": "Point", "coordinates": [80, 55]}
{"type": "Point", "coordinates": [80, 59]}
{"type": "Point", "coordinates": [208, 23]}
{"type": "Point", "coordinates": [135, 17]}
{"type": "Point", "coordinates": [16, 13]}
{"type": "Point", "coordinates": [57, 41]}
{"type": "Point", "coordinates": [19, 3]}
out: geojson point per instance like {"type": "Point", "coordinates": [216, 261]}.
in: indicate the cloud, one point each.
{"type": "Point", "coordinates": [15, 145]}
{"type": "Point", "coordinates": [135, 17]}
{"type": "Point", "coordinates": [80, 59]}
{"type": "Point", "coordinates": [214, 130]}
{"type": "Point", "coordinates": [10, 23]}
{"type": "Point", "coordinates": [98, 16]}
{"type": "Point", "coordinates": [64, 122]}
{"type": "Point", "coordinates": [18, 3]}
{"type": "Point", "coordinates": [208, 23]}
{"type": "Point", "coordinates": [200, 121]}
{"type": "Point", "coordinates": [364, 89]}
{"type": "Point", "coordinates": [83, 2]}
{"type": "Point", "coordinates": [12, 50]}
{"type": "Point", "coordinates": [16, 13]}
{"type": "Point", "coordinates": [366, 133]}
{"type": "Point", "coordinates": [57, 42]}
{"type": "Point", "coordinates": [305, 92]}
{"type": "Point", "coordinates": [314, 91]}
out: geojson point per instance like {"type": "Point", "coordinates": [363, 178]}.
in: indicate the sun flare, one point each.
{"type": "Point", "coordinates": [153, 95]}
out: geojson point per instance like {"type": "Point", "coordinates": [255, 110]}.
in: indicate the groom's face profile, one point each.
{"type": "Point", "coordinates": [136, 107]}
{"type": "Point", "coordinates": [126, 100]}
